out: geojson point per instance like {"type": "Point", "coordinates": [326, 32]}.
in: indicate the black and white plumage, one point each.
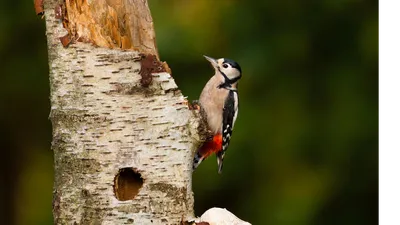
{"type": "Point", "coordinates": [220, 103]}
{"type": "Point", "coordinates": [230, 113]}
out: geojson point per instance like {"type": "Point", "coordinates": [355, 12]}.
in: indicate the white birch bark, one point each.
{"type": "Point", "coordinates": [103, 121]}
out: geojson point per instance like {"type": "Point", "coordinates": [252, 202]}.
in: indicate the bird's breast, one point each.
{"type": "Point", "coordinates": [212, 100]}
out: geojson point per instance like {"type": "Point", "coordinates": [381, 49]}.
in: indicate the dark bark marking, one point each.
{"type": "Point", "coordinates": [149, 64]}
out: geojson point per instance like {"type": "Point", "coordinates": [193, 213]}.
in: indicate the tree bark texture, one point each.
{"type": "Point", "coordinates": [122, 149]}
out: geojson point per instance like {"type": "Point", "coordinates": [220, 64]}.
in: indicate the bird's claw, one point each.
{"type": "Point", "coordinates": [195, 105]}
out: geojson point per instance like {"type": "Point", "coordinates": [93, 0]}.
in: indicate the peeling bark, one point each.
{"type": "Point", "coordinates": [122, 152]}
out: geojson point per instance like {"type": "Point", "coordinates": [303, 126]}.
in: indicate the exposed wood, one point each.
{"type": "Point", "coordinates": [125, 24]}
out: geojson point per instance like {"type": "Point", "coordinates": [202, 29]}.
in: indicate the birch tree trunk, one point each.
{"type": "Point", "coordinates": [123, 136]}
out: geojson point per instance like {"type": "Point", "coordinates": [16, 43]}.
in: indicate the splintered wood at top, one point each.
{"type": "Point", "coordinates": [111, 24]}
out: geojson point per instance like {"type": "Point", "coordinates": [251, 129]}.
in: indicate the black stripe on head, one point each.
{"type": "Point", "coordinates": [233, 64]}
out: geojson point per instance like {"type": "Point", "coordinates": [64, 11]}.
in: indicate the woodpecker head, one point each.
{"type": "Point", "coordinates": [227, 68]}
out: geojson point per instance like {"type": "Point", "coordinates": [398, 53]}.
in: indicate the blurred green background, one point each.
{"type": "Point", "coordinates": [305, 145]}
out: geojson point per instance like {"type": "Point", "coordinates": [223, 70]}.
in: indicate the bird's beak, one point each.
{"type": "Point", "coordinates": [213, 61]}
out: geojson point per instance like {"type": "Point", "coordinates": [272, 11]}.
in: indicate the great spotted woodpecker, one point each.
{"type": "Point", "coordinates": [219, 102]}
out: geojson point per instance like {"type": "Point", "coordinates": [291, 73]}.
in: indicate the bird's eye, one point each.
{"type": "Point", "coordinates": [225, 65]}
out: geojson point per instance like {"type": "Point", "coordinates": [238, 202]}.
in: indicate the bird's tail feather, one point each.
{"type": "Point", "coordinates": [220, 161]}
{"type": "Point", "coordinates": [197, 160]}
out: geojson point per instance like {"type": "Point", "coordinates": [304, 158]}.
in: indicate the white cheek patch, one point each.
{"type": "Point", "coordinates": [231, 73]}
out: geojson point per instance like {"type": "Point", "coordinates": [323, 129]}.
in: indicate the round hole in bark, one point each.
{"type": "Point", "coordinates": [127, 184]}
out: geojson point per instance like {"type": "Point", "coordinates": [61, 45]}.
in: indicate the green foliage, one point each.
{"type": "Point", "coordinates": [305, 145]}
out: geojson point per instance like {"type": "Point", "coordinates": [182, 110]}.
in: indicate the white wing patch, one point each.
{"type": "Point", "coordinates": [235, 96]}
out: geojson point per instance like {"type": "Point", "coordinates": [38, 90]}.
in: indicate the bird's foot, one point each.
{"type": "Point", "coordinates": [195, 105]}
